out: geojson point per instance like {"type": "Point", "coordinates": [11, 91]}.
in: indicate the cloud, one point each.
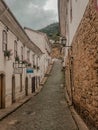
{"type": "Point", "coordinates": [40, 3]}
{"type": "Point", "coordinates": [32, 13]}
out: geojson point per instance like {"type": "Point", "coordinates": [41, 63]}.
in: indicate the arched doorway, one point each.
{"type": "Point", "coordinates": [2, 91]}
{"type": "Point", "coordinates": [13, 88]}
{"type": "Point", "coordinates": [26, 86]}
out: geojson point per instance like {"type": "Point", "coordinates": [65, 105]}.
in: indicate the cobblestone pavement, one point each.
{"type": "Point", "coordinates": [46, 111]}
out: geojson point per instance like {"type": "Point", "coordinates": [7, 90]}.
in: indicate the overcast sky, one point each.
{"type": "Point", "coordinates": [35, 14]}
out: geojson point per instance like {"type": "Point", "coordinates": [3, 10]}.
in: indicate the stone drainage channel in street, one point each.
{"type": "Point", "coordinates": [48, 110]}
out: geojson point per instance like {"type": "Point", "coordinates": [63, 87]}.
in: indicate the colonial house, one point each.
{"type": "Point", "coordinates": [19, 60]}
{"type": "Point", "coordinates": [79, 32]}
{"type": "Point", "coordinates": [41, 41]}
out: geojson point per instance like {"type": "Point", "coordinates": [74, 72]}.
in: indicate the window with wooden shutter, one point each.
{"type": "Point", "coordinates": [15, 49]}
{"type": "Point", "coordinates": [4, 40]}
{"type": "Point", "coordinates": [28, 55]}
{"type": "Point", "coordinates": [22, 53]}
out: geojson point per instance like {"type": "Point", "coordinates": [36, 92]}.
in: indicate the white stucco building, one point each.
{"type": "Point", "coordinates": [41, 41]}
{"type": "Point", "coordinates": [20, 60]}
{"type": "Point", "coordinates": [74, 14]}
{"type": "Point", "coordinates": [70, 14]}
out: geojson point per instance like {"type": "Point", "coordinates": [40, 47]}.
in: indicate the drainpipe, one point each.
{"type": "Point", "coordinates": [71, 74]}
{"type": "Point", "coordinates": [71, 78]}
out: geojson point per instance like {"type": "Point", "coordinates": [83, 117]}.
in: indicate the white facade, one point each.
{"type": "Point", "coordinates": [14, 86]}
{"type": "Point", "coordinates": [41, 40]}
{"type": "Point", "coordinates": [6, 67]}
{"type": "Point", "coordinates": [71, 13]}
{"type": "Point", "coordinates": [75, 12]}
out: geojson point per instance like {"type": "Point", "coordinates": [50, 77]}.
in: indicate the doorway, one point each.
{"type": "Point", "coordinates": [33, 84]}
{"type": "Point", "coordinates": [13, 89]}
{"type": "Point", "coordinates": [26, 86]}
{"type": "Point", "coordinates": [2, 91]}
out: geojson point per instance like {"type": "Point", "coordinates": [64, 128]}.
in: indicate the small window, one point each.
{"type": "Point", "coordinates": [28, 55]}
{"type": "Point", "coordinates": [15, 49]}
{"type": "Point", "coordinates": [22, 53]}
{"type": "Point", "coordinates": [33, 59]}
{"type": "Point", "coordinates": [4, 40]}
{"type": "Point", "coordinates": [37, 61]}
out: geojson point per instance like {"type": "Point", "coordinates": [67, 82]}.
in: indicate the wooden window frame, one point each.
{"type": "Point", "coordinates": [33, 58]}
{"type": "Point", "coordinates": [15, 48]}
{"type": "Point", "coordinates": [28, 55]}
{"type": "Point", "coordinates": [4, 40]}
{"type": "Point", "coordinates": [22, 53]}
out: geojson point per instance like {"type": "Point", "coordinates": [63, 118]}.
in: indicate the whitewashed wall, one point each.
{"type": "Point", "coordinates": [36, 38]}
{"type": "Point", "coordinates": [78, 9]}
{"type": "Point", "coordinates": [6, 66]}
{"type": "Point", "coordinates": [41, 41]}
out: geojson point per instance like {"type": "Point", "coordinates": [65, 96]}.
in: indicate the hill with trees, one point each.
{"type": "Point", "coordinates": [52, 31]}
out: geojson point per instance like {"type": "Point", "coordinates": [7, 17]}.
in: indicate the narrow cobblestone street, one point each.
{"type": "Point", "coordinates": [46, 111]}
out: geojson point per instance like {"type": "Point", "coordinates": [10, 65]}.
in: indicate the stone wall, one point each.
{"type": "Point", "coordinates": [56, 52]}
{"type": "Point", "coordinates": [82, 67]}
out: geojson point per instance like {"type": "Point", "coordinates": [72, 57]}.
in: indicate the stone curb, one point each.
{"type": "Point", "coordinates": [80, 123]}
{"type": "Point", "coordinates": [7, 111]}
{"type": "Point", "coordinates": [47, 74]}
{"type": "Point", "coordinates": [78, 120]}
{"type": "Point", "coordinates": [45, 78]}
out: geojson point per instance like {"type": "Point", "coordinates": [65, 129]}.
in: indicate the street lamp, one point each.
{"type": "Point", "coordinates": [63, 41]}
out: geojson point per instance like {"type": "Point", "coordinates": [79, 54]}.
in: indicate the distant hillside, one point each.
{"type": "Point", "coordinates": [51, 30]}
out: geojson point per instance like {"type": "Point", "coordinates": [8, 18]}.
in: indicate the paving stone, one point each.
{"type": "Point", "coordinates": [46, 111]}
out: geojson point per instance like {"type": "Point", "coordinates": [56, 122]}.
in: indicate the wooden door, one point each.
{"type": "Point", "coordinates": [33, 84]}
{"type": "Point", "coordinates": [13, 89]}
{"type": "Point", "coordinates": [26, 86]}
{"type": "Point", "coordinates": [2, 91]}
